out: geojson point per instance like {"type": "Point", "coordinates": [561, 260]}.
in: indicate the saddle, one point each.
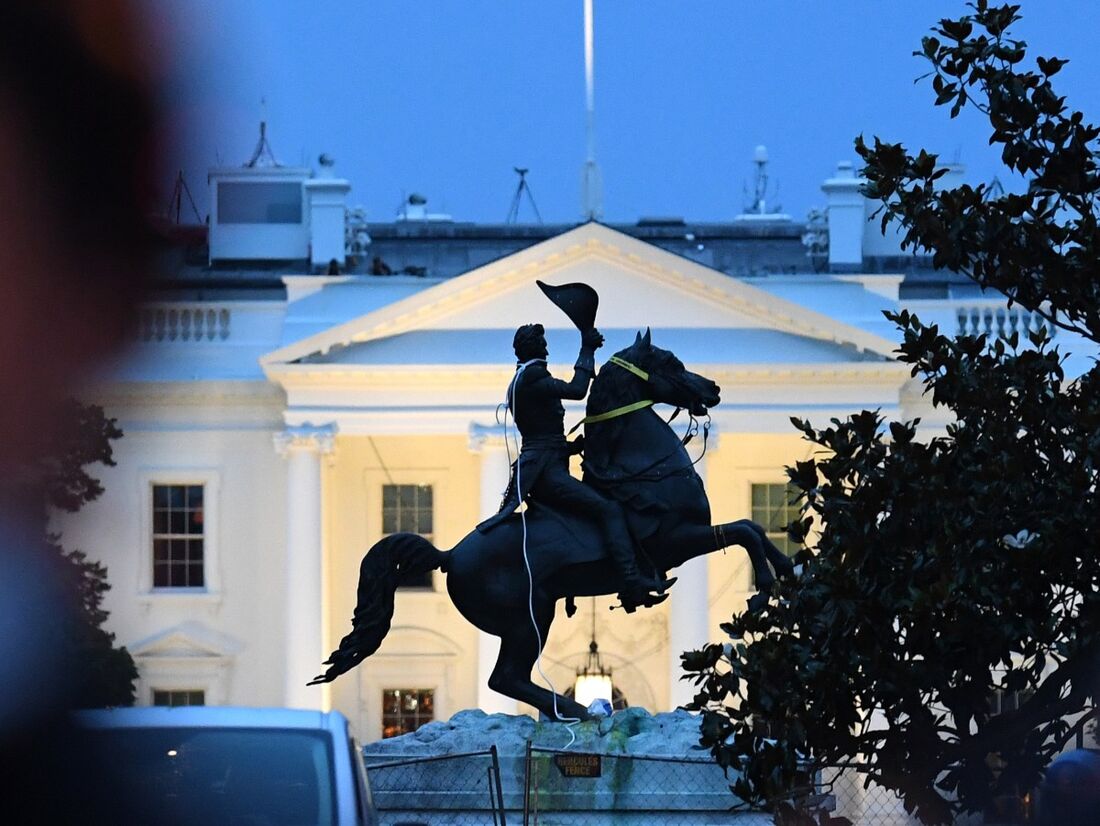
{"type": "Point", "coordinates": [556, 539]}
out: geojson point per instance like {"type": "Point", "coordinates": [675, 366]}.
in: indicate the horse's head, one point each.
{"type": "Point", "coordinates": [668, 381]}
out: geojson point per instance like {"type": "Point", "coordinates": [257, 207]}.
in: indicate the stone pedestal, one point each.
{"type": "Point", "coordinates": [649, 772]}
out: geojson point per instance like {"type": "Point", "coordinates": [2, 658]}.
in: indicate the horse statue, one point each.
{"type": "Point", "coordinates": [507, 581]}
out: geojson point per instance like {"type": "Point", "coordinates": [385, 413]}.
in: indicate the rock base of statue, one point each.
{"type": "Point", "coordinates": [631, 768]}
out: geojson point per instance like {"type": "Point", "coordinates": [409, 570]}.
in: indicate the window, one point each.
{"type": "Point", "coordinates": [772, 507]}
{"type": "Point", "coordinates": [178, 536]}
{"type": "Point", "coordinates": [406, 709]}
{"type": "Point", "coordinates": [259, 202]}
{"type": "Point", "coordinates": [179, 698]}
{"type": "Point", "coordinates": [1002, 701]}
{"type": "Point", "coordinates": [178, 561]}
{"type": "Point", "coordinates": [230, 774]}
{"type": "Point", "coordinates": [408, 508]}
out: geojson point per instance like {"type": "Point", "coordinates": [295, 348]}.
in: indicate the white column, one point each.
{"type": "Point", "coordinates": [488, 443]}
{"type": "Point", "coordinates": [689, 609]}
{"type": "Point", "coordinates": [305, 649]}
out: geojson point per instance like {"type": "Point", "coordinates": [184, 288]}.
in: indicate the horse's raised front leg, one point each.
{"type": "Point", "coordinates": [696, 540]}
{"type": "Point", "coordinates": [519, 648]}
{"type": "Point", "coordinates": [780, 562]}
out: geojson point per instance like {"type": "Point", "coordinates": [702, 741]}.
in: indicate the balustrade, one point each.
{"type": "Point", "coordinates": [196, 323]}
{"type": "Point", "coordinates": [1001, 322]}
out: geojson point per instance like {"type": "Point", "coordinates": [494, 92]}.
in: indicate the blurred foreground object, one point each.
{"type": "Point", "coordinates": [77, 128]}
{"type": "Point", "coordinates": [76, 158]}
{"type": "Point", "coordinates": [1070, 794]}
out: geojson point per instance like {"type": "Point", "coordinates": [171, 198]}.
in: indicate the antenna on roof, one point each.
{"type": "Point", "coordinates": [521, 187]}
{"type": "Point", "coordinates": [995, 190]}
{"type": "Point", "coordinates": [175, 202]}
{"type": "Point", "coordinates": [591, 181]}
{"type": "Point", "coordinates": [263, 154]}
{"type": "Point", "coordinates": [758, 205]}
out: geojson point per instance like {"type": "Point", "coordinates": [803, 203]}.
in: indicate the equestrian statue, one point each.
{"type": "Point", "coordinates": [639, 512]}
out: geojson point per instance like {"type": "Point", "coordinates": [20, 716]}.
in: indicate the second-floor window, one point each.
{"type": "Point", "coordinates": [772, 507]}
{"type": "Point", "coordinates": [408, 508]}
{"type": "Point", "coordinates": [178, 536]}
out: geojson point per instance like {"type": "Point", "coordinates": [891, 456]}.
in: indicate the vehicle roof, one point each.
{"type": "Point", "coordinates": [209, 716]}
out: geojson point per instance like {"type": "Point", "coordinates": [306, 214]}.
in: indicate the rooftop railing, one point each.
{"type": "Point", "coordinates": [180, 322]}
{"type": "Point", "coordinates": [1000, 321]}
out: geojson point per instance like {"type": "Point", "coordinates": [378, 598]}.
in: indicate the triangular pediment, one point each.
{"type": "Point", "coordinates": [639, 285]}
{"type": "Point", "coordinates": [189, 640]}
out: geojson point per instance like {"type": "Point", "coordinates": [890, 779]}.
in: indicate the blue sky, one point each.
{"type": "Point", "coordinates": [444, 97]}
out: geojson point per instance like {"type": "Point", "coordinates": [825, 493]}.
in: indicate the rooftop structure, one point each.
{"type": "Point", "coordinates": [267, 221]}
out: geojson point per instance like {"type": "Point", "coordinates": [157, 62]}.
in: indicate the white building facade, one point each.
{"type": "Point", "coordinates": [270, 442]}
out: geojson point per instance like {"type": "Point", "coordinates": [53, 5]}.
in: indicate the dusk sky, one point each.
{"type": "Point", "coordinates": [444, 97]}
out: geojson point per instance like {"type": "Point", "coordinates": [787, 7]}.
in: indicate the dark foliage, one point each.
{"type": "Point", "coordinates": [98, 673]}
{"type": "Point", "coordinates": [82, 437]}
{"type": "Point", "coordinates": [946, 572]}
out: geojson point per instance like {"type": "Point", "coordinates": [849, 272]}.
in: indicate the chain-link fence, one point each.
{"type": "Point", "coordinates": [849, 795]}
{"type": "Point", "coordinates": [453, 789]}
{"type": "Point", "coordinates": [568, 788]}
{"type": "Point", "coordinates": [555, 787]}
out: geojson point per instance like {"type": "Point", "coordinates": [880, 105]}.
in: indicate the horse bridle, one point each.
{"type": "Point", "coordinates": [692, 430]}
{"type": "Point", "coordinates": [626, 408]}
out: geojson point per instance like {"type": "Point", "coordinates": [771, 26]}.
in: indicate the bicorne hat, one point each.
{"type": "Point", "coordinates": [578, 301]}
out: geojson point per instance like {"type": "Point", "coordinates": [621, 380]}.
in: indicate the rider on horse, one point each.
{"type": "Point", "coordinates": [542, 470]}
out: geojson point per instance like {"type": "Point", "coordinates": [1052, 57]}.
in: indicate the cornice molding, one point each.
{"type": "Point", "coordinates": [192, 393]}
{"type": "Point", "coordinates": [889, 373]}
{"type": "Point", "coordinates": [320, 375]}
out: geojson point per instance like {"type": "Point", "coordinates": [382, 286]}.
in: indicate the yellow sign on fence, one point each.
{"type": "Point", "coordinates": [578, 765]}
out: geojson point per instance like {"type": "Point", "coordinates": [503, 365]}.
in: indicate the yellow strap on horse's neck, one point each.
{"type": "Point", "coordinates": [618, 411]}
{"type": "Point", "coordinates": [626, 365]}
{"type": "Point", "coordinates": [626, 408]}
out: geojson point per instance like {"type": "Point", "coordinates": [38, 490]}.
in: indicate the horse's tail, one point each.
{"type": "Point", "coordinates": [393, 561]}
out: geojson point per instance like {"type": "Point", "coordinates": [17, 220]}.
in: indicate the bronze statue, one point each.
{"type": "Point", "coordinates": [636, 470]}
{"type": "Point", "coordinates": [541, 472]}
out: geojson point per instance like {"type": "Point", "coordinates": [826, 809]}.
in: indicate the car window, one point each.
{"type": "Point", "coordinates": [274, 777]}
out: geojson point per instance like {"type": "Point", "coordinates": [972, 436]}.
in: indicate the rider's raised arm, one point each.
{"type": "Point", "coordinates": [583, 371]}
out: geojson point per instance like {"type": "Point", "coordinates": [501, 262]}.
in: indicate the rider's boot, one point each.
{"type": "Point", "coordinates": [638, 591]}
{"type": "Point", "coordinates": [639, 594]}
